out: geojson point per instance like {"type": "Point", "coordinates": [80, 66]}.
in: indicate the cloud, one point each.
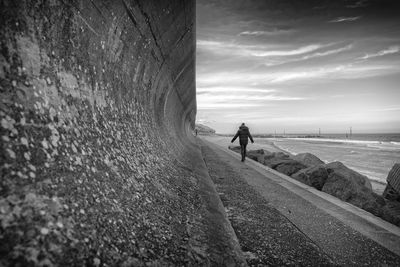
{"type": "Point", "coordinates": [294, 119]}
{"type": "Point", "coordinates": [309, 74]}
{"type": "Point", "coordinates": [390, 50]}
{"type": "Point", "coordinates": [361, 3]}
{"type": "Point", "coordinates": [230, 48]}
{"type": "Point", "coordinates": [243, 97]}
{"type": "Point", "coordinates": [348, 71]}
{"type": "Point", "coordinates": [227, 79]}
{"type": "Point", "coordinates": [218, 44]}
{"type": "Point", "coordinates": [203, 120]}
{"type": "Point", "coordinates": [231, 89]}
{"type": "Point", "coordinates": [288, 76]}
{"type": "Point", "coordinates": [275, 31]}
{"type": "Point", "coordinates": [232, 99]}
{"type": "Point", "coordinates": [345, 19]}
{"type": "Point", "coordinates": [213, 105]}
{"type": "Point", "coordinates": [329, 52]}
{"type": "Point", "coordinates": [293, 52]}
{"type": "Point", "coordinates": [319, 7]}
{"type": "Point", "coordinates": [387, 109]}
{"type": "Point", "coordinates": [306, 57]}
{"type": "Point", "coordinates": [254, 50]}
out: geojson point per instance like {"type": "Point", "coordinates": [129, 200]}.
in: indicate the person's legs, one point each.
{"type": "Point", "coordinates": [242, 151]}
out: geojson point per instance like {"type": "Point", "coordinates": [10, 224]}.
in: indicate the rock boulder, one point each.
{"type": "Point", "coordinates": [313, 176]}
{"type": "Point", "coordinates": [347, 189]}
{"type": "Point", "coordinates": [308, 159]}
{"type": "Point", "coordinates": [235, 148]}
{"type": "Point", "coordinates": [392, 190]}
{"type": "Point", "coordinates": [289, 166]}
{"type": "Point", "coordinates": [258, 151]}
{"type": "Point", "coordinates": [348, 174]}
{"type": "Point", "coordinates": [257, 155]}
{"type": "Point", "coordinates": [273, 159]}
{"type": "Point", "coordinates": [391, 212]}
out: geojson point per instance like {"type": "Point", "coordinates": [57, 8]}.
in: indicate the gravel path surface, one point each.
{"type": "Point", "coordinates": [266, 236]}
{"type": "Point", "coordinates": [277, 227]}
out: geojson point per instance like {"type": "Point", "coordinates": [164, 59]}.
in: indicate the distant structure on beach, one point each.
{"type": "Point", "coordinates": [350, 134]}
{"type": "Point", "coordinates": [204, 130]}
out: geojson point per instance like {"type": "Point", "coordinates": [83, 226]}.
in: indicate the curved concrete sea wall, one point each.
{"type": "Point", "coordinates": [97, 108]}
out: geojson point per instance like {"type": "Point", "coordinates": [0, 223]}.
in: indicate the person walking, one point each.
{"type": "Point", "coordinates": [244, 134]}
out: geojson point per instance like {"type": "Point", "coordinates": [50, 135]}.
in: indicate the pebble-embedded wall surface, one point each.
{"type": "Point", "coordinates": [97, 106]}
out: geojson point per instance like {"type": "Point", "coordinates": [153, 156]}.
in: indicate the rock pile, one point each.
{"type": "Point", "coordinates": [335, 179]}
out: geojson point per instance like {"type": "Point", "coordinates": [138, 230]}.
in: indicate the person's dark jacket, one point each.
{"type": "Point", "coordinates": [243, 133]}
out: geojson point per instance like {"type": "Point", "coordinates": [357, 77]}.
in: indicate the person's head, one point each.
{"type": "Point", "coordinates": [242, 124]}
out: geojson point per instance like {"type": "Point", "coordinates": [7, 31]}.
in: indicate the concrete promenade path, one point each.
{"type": "Point", "coordinates": [279, 221]}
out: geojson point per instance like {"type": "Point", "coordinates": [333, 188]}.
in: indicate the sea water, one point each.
{"type": "Point", "coordinates": [370, 154]}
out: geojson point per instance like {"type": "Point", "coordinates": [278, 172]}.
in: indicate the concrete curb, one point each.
{"type": "Point", "coordinates": [375, 228]}
{"type": "Point", "coordinates": [217, 217]}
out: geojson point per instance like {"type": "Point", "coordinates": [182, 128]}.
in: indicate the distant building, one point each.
{"type": "Point", "coordinates": [204, 130]}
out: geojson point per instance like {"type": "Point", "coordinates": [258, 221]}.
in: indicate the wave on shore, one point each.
{"type": "Point", "coordinates": [392, 145]}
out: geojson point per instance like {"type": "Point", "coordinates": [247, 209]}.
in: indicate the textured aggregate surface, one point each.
{"type": "Point", "coordinates": [93, 147]}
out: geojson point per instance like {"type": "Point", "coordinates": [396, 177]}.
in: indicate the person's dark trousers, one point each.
{"type": "Point", "coordinates": [243, 150]}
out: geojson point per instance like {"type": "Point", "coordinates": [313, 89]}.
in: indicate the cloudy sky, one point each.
{"type": "Point", "coordinates": [299, 65]}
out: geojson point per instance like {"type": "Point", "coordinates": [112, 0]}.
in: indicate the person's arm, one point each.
{"type": "Point", "coordinates": [236, 136]}
{"type": "Point", "coordinates": [251, 138]}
